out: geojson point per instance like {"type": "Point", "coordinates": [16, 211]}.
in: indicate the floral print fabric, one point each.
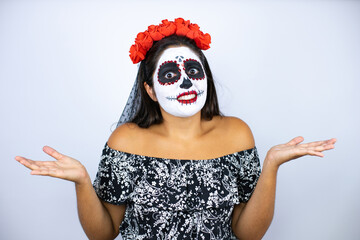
{"type": "Point", "coordinates": [174, 198]}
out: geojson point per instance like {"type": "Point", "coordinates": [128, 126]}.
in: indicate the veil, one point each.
{"type": "Point", "coordinates": [132, 104]}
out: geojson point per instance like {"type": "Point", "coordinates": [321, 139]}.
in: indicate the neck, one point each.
{"type": "Point", "coordinates": [182, 127]}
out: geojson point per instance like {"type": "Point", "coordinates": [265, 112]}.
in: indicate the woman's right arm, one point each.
{"type": "Point", "coordinates": [99, 220]}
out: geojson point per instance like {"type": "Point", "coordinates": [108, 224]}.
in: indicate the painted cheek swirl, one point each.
{"type": "Point", "coordinates": [168, 73]}
{"type": "Point", "coordinates": [193, 69]}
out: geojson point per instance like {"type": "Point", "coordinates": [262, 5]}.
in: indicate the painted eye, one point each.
{"type": "Point", "coordinates": [168, 72]}
{"type": "Point", "coordinates": [170, 75]}
{"type": "Point", "coordinates": [193, 71]}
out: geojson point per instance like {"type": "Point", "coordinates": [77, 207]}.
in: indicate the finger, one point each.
{"type": "Point", "coordinates": [318, 143]}
{"type": "Point", "coordinates": [313, 144]}
{"type": "Point", "coordinates": [52, 172]}
{"type": "Point", "coordinates": [27, 162]}
{"type": "Point", "coordinates": [19, 158]}
{"type": "Point", "coordinates": [35, 164]}
{"type": "Point", "coordinates": [41, 172]}
{"type": "Point", "coordinates": [300, 152]}
{"type": "Point", "coordinates": [323, 147]}
{"type": "Point", "coordinates": [315, 153]}
{"type": "Point", "coordinates": [332, 140]}
{"type": "Point", "coordinates": [295, 141]}
{"type": "Point", "coordinates": [53, 153]}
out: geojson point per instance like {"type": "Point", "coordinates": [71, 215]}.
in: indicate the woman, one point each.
{"type": "Point", "coordinates": [175, 168]}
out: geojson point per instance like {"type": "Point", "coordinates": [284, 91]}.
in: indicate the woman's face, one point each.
{"type": "Point", "coordinates": [180, 82]}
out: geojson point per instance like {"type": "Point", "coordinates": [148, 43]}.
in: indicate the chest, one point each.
{"type": "Point", "coordinates": [208, 147]}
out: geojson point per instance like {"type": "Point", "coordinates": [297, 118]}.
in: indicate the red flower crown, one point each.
{"type": "Point", "coordinates": [180, 27]}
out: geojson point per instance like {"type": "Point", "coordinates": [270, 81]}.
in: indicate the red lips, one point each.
{"type": "Point", "coordinates": [187, 97]}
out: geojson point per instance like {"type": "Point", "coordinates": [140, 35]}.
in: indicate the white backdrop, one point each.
{"type": "Point", "coordinates": [287, 68]}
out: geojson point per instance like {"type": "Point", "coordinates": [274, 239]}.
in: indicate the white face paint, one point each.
{"type": "Point", "coordinates": [180, 82]}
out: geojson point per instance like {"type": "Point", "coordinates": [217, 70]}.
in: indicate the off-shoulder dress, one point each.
{"type": "Point", "coordinates": [176, 198]}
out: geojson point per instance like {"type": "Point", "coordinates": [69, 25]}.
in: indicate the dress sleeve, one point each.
{"type": "Point", "coordinates": [249, 174]}
{"type": "Point", "coordinates": [114, 182]}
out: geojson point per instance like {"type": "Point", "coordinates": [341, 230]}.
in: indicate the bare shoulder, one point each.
{"type": "Point", "coordinates": [237, 131]}
{"type": "Point", "coordinates": [126, 137]}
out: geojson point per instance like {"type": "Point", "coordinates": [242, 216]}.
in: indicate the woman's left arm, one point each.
{"type": "Point", "coordinates": [257, 214]}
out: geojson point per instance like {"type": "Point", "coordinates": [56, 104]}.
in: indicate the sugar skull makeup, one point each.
{"type": "Point", "coordinates": [180, 82]}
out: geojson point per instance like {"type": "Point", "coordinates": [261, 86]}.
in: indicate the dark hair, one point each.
{"type": "Point", "coordinates": [149, 111]}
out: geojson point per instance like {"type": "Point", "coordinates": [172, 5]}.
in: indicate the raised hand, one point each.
{"type": "Point", "coordinates": [282, 153]}
{"type": "Point", "coordinates": [64, 167]}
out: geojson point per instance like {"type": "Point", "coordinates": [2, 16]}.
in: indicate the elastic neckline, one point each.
{"type": "Point", "coordinates": [176, 159]}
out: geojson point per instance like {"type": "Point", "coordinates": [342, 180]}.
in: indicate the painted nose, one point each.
{"type": "Point", "coordinates": [186, 84]}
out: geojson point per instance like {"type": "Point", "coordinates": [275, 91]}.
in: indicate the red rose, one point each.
{"type": "Point", "coordinates": [182, 26]}
{"type": "Point", "coordinates": [194, 31]}
{"type": "Point", "coordinates": [144, 39]}
{"type": "Point", "coordinates": [137, 53]}
{"type": "Point", "coordinates": [167, 28]}
{"type": "Point", "coordinates": [179, 21]}
{"type": "Point", "coordinates": [154, 33]}
{"type": "Point", "coordinates": [203, 41]}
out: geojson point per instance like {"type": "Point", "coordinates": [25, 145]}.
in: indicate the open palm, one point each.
{"type": "Point", "coordinates": [282, 153]}
{"type": "Point", "coordinates": [64, 167]}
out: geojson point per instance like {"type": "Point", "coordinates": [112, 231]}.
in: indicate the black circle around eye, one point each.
{"type": "Point", "coordinates": [168, 73]}
{"type": "Point", "coordinates": [194, 69]}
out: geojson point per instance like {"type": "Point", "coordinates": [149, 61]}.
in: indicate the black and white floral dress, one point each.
{"type": "Point", "coordinates": [174, 198]}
